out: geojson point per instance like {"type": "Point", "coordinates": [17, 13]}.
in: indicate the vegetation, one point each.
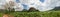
{"type": "Point", "coordinates": [35, 14]}
{"type": "Point", "coordinates": [32, 14]}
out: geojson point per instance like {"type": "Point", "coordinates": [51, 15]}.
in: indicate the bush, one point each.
{"type": "Point", "coordinates": [36, 14]}
{"type": "Point", "coordinates": [32, 9]}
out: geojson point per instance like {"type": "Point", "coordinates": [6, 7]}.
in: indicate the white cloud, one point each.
{"type": "Point", "coordinates": [47, 5]}
{"type": "Point", "coordinates": [19, 7]}
{"type": "Point", "coordinates": [50, 4]}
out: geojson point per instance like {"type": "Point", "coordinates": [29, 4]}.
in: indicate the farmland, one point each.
{"type": "Point", "coordinates": [33, 14]}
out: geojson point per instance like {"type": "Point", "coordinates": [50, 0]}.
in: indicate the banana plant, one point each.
{"type": "Point", "coordinates": [9, 6]}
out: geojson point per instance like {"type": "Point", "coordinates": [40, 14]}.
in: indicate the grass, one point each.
{"type": "Point", "coordinates": [35, 14]}
{"type": "Point", "coordinates": [1, 14]}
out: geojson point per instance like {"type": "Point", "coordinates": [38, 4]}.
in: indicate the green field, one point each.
{"type": "Point", "coordinates": [32, 13]}
{"type": "Point", "coordinates": [35, 14]}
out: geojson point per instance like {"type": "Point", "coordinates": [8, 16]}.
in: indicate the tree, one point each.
{"type": "Point", "coordinates": [9, 5]}
{"type": "Point", "coordinates": [32, 9]}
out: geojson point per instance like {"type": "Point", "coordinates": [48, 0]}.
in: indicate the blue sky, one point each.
{"type": "Point", "coordinates": [42, 4]}
{"type": "Point", "coordinates": [49, 4]}
{"type": "Point", "coordinates": [42, 0]}
{"type": "Point", "coordinates": [26, 6]}
{"type": "Point", "coordinates": [17, 1]}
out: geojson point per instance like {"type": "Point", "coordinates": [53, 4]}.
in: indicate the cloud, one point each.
{"type": "Point", "coordinates": [47, 5]}
{"type": "Point", "coordinates": [19, 7]}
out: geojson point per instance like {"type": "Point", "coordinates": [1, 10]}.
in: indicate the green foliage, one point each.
{"type": "Point", "coordinates": [32, 9]}
{"type": "Point", "coordinates": [1, 14]}
{"type": "Point", "coordinates": [8, 11]}
{"type": "Point", "coordinates": [34, 13]}
{"type": "Point", "coordinates": [37, 14]}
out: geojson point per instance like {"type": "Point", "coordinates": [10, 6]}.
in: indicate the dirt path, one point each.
{"type": "Point", "coordinates": [6, 15]}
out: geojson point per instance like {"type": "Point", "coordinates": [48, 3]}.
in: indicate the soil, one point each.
{"type": "Point", "coordinates": [7, 15]}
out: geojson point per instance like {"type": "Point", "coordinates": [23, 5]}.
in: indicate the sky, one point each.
{"type": "Point", "coordinates": [42, 1]}
{"type": "Point", "coordinates": [42, 5]}
{"type": "Point", "coordinates": [17, 0]}
{"type": "Point", "coordinates": [26, 6]}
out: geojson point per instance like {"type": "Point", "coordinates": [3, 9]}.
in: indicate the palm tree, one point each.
{"type": "Point", "coordinates": [9, 6]}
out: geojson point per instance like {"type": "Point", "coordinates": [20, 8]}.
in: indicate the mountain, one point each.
{"type": "Point", "coordinates": [57, 8]}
